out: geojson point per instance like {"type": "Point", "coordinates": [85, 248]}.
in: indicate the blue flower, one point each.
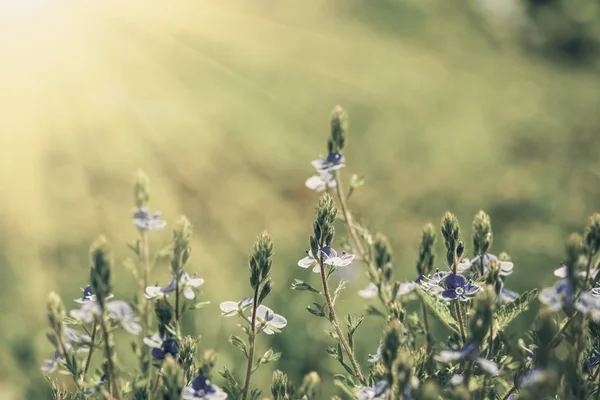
{"type": "Point", "coordinates": [379, 391]}
{"type": "Point", "coordinates": [88, 295]}
{"type": "Point", "coordinates": [187, 283]}
{"type": "Point", "coordinates": [231, 308]}
{"type": "Point", "coordinates": [50, 366]}
{"type": "Point", "coordinates": [506, 267]}
{"type": "Point", "coordinates": [268, 321]}
{"type": "Point", "coordinates": [469, 352]}
{"type": "Point", "coordinates": [161, 347]}
{"type": "Point", "coordinates": [589, 304]}
{"type": "Point", "coordinates": [330, 257]}
{"type": "Point", "coordinates": [563, 271]}
{"type": "Point", "coordinates": [433, 282]}
{"type": "Point", "coordinates": [557, 296]}
{"type": "Point", "coordinates": [458, 287]}
{"type": "Point", "coordinates": [319, 183]}
{"type": "Point", "coordinates": [507, 296]}
{"type": "Point", "coordinates": [373, 358]}
{"type": "Point", "coordinates": [73, 339]}
{"type": "Point", "coordinates": [202, 389]}
{"type": "Point", "coordinates": [334, 161]}
{"type": "Point", "coordinates": [118, 310]}
{"type": "Point", "coordinates": [144, 221]}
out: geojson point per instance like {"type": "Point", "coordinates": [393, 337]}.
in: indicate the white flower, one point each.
{"type": "Point", "coordinates": [269, 320]}
{"type": "Point", "coordinates": [320, 182]}
{"type": "Point", "coordinates": [231, 308]}
{"type": "Point", "coordinates": [330, 257]}
{"type": "Point", "coordinates": [155, 341]}
{"type": "Point", "coordinates": [369, 292]}
{"type": "Point", "coordinates": [506, 267]}
{"type": "Point", "coordinates": [187, 283]}
{"type": "Point", "coordinates": [562, 272]}
{"type": "Point", "coordinates": [121, 311]}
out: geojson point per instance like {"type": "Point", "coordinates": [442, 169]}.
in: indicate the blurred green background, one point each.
{"type": "Point", "coordinates": [454, 105]}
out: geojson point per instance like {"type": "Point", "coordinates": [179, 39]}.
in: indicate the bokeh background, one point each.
{"type": "Point", "coordinates": [455, 105]}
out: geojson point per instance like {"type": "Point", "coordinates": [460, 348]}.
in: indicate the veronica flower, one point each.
{"type": "Point", "coordinates": [589, 304]}
{"type": "Point", "coordinates": [186, 282]}
{"type": "Point", "coordinates": [320, 182]}
{"type": "Point", "coordinates": [269, 320]}
{"type": "Point", "coordinates": [406, 288]}
{"type": "Point", "coordinates": [563, 271]}
{"type": "Point", "coordinates": [330, 257]}
{"type": "Point", "coordinates": [50, 366]}
{"type": "Point", "coordinates": [595, 291]}
{"type": "Point", "coordinates": [557, 296]}
{"type": "Point", "coordinates": [373, 358]}
{"type": "Point", "coordinates": [469, 352]}
{"type": "Point", "coordinates": [202, 389]}
{"type": "Point", "coordinates": [88, 295]}
{"type": "Point", "coordinates": [161, 347]}
{"type": "Point", "coordinates": [333, 162]}
{"type": "Point", "coordinates": [532, 377]}
{"type": "Point", "coordinates": [369, 292]}
{"type": "Point", "coordinates": [144, 221]}
{"type": "Point", "coordinates": [118, 310]}
{"type": "Point", "coordinates": [506, 267]}
{"type": "Point", "coordinates": [433, 282]}
{"type": "Point", "coordinates": [507, 296]}
{"type": "Point", "coordinates": [73, 339]}
{"type": "Point", "coordinates": [379, 391]}
{"type": "Point", "coordinates": [458, 287]}
{"type": "Point", "coordinates": [231, 308]}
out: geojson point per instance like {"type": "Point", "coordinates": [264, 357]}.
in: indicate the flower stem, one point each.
{"type": "Point", "coordinates": [426, 326]}
{"type": "Point", "coordinates": [110, 365]}
{"type": "Point", "coordinates": [144, 258]}
{"type": "Point", "coordinates": [156, 384]}
{"type": "Point", "coordinates": [460, 322]}
{"type": "Point", "coordinates": [251, 339]}
{"type": "Point", "coordinates": [336, 325]}
{"type": "Point", "coordinates": [559, 335]}
{"type": "Point", "coordinates": [89, 357]}
{"type": "Point", "coordinates": [64, 351]}
{"type": "Point", "coordinates": [588, 267]}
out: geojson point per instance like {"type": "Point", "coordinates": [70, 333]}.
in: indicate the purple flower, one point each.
{"type": "Point", "coordinates": [161, 347]}
{"type": "Point", "coordinates": [334, 161]}
{"type": "Point", "coordinates": [458, 288]}
{"type": "Point", "coordinates": [144, 221]}
{"type": "Point", "coordinates": [202, 389]}
{"type": "Point", "coordinates": [88, 295]}
{"type": "Point", "coordinates": [379, 391]}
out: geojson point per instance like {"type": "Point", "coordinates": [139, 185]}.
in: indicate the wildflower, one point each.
{"type": "Point", "coordinates": [88, 295]}
{"type": "Point", "coordinates": [563, 270]}
{"type": "Point", "coordinates": [144, 221]}
{"type": "Point", "coordinates": [595, 291]}
{"type": "Point", "coordinates": [186, 282]}
{"type": "Point", "coordinates": [121, 311]}
{"type": "Point", "coordinates": [73, 339]}
{"type": "Point", "coordinates": [406, 288]}
{"type": "Point", "coordinates": [86, 312]}
{"type": "Point", "coordinates": [161, 347]}
{"type": "Point", "coordinates": [557, 296]}
{"type": "Point", "coordinates": [330, 257]}
{"type": "Point", "coordinates": [458, 287]}
{"type": "Point", "coordinates": [373, 358]}
{"type": "Point", "coordinates": [320, 182]}
{"type": "Point", "coordinates": [379, 391]}
{"type": "Point", "coordinates": [433, 282]}
{"type": "Point", "coordinates": [202, 389]}
{"type": "Point", "coordinates": [507, 296]}
{"type": "Point", "coordinates": [506, 267]}
{"type": "Point", "coordinates": [333, 162]}
{"type": "Point", "coordinates": [369, 292]}
{"type": "Point", "coordinates": [457, 379]}
{"type": "Point", "coordinates": [532, 377]}
{"type": "Point", "coordinates": [469, 352]}
{"type": "Point", "coordinates": [589, 304]}
{"type": "Point", "coordinates": [231, 308]}
{"type": "Point", "coordinates": [50, 366]}
{"type": "Point", "coordinates": [269, 320]}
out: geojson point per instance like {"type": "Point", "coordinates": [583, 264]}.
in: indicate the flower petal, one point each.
{"type": "Point", "coordinates": [195, 282]}
{"type": "Point", "coordinates": [447, 355]}
{"type": "Point", "coordinates": [487, 365]}
{"type": "Point", "coordinates": [262, 311]}
{"type": "Point", "coordinates": [471, 289]}
{"type": "Point", "coordinates": [454, 281]}
{"type": "Point", "coordinates": [449, 294]}
{"type": "Point", "coordinates": [228, 308]}
{"type": "Point", "coordinates": [188, 293]}
{"type": "Point", "coordinates": [153, 292]}
{"type": "Point", "coordinates": [561, 272]}
{"type": "Point", "coordinates": [406, 288]}
{"type": "Point", "coordinates": [306, 262]}
{"type": "Point", "coordinates": [315, 183]}
{"type": "Point", "coordinates": [278, 321]}
{"type": "Point", "coordinates": [369, 292]}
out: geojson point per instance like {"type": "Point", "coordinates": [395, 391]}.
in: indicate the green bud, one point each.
{"type": "Point", "coordinates": [141, 191]}
{"type": "Point", "coordinates": [451, 234]}
{"type": "Point", "coordinates": [310, 385]}
{"type": "Point", "coordinates": [460, 250]}
{"type": "Point", "coordinates": [279, 386]}
{"type": "Point", "coordinates": [493, 273]}
{"type": "Point", "coordinates": [101, 256]}
{"type": "Point", "coordinates": [56, 312]}
{"type": "Point", "coordinates": [182, 237]}
{"type": "Point", "coordinates": [482, 233]}
{"type": "Point", "coordinates": [591, 234]}
{"type": "Point", "coordinates": [382, 250]}
{"type": "Point", "coordinates": [207, 363]}
{"type": "Point", "coordinates": [266, 289]}
{"type": "Point", "coordinates": [404, 366]}
{"type": "Point", "coordinates": [164, 314]}
{"type": "Point", "coordinates": [392, 339]}
{"type": "Point", "coordinates": [574, 249]}
{"type": "Point", "coordinates": [140, 392]}
{"type": "Point", "coordinates": [187, 356]}
{"type": "Point", "coordinates": [426, 254]}
{"type": "Point", "coordinates": [172, 379]}
{"type": "Point", "coordinates": [430, 391]}
{"type": "Point", "coordinates": [481, 321]}
{"type": "Point", "coordinates": [397, 312]}
{"type": "Point", "coordinates": [339, 129]}
{"type": "Point", "coordinates": [260, 259]}
{"type": "Point", "coordinates": [545, 330]}
{"type": "Point", "coordinates": [379, 373]}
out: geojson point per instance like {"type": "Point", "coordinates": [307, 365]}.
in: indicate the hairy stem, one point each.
{"type": "Point", "coordinates": [251, 338]}
{"type": "Point", "coordinates": [110, 365]}
{"type": "Point", "coordinates": [336, 325]}
{"type": "Point", "coordinates": [460, 321]}
{"type": "Point", "coordinates": [89, 357]}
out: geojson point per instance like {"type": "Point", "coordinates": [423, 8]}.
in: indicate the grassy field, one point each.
{"type": "Point", "coordinates": [224, 105]}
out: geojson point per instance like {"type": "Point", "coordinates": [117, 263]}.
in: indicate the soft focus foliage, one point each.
{"type": "Point", "coordinates": [452, 106]}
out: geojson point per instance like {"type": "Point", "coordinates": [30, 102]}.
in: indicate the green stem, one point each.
{"type": "Point", "coordinates": [468, 373]}
{"type": "Point", "coordinates": [156, 384]}
{"type": "Point", "coordinates": [588, 267]}
{"type": "Point", "coordinates": [426, 326]}
{"type": "Point", "coordinates": [251, 338]}
{"type": "Point", "coordinates": [559, 335]}
{"type": "Point", "coordinates": [110, 365]}
{"type": "Point", "coordinates": [65, 354]}
{"type": "Point", "coordinates": [89, 357]}
{"type": "Point", "coordinates": [336, 325]}
{"type": "Point", "coordinates": [511, 391]}
{"type": "Point", "coordinates": [460, 322]}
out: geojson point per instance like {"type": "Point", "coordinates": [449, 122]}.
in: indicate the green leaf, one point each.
{"type": "Point", "coordinates": [343, 383]}
{"type": "Point", "coordinates": [199, 305]}
{"type": "Point", "coordinates": [239, 343]}
{"type": "Point", "coordinates": [301, 285]}
{"type": "Point", "coordinates": [318, 310]}
{"type": "Point", "coordinates": [509, 311]}
{"type": "Point", "coordinates": [440, 308]}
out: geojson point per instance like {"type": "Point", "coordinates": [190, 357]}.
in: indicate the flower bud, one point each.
{"type": "Point", "coordinates": [382, 250]}
{"type": "Point", "coordinates": [482, 233]}
{"type": "Point", "coordinates": [56, 312]}
{"type": "Point", "coordinates": [279, 385]}
{"type": "Point", "coordinates": [172, 379]}
{"type": "Point", "coordinates": [100, 272]}
{"type": "Point", "coordinates": [260, 259]}
{"type": "Point", "coordinates": [591, 234]}
{"type": "Point", "coordinates": [574, 249]}
{"type": "Point", "coordinates": [339, 128]}
{"type": "Point", "coordinates": [182, 237]}
{"type": "Point", "coordinates": [404, 365]}
{"type": "Point", "coordinates": [426, 254]}
{"type": "Point", "coordinates": [481, 321]}
{"type": "Point", "coordinates": [208, 362]}
{"type": "Point", "coordinates": [187, 356]}
{"type": "Point", "coordinates": [164, 314]}
{"type": "Point", "coordinates": [310, 385]}
{"type": "Point", "coordinates": [392, 339]}
{"type": "Point", "coordinates": [141, 191]}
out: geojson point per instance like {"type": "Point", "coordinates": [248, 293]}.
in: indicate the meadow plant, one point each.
{"type": "Point", "coordinates": [446, 332]}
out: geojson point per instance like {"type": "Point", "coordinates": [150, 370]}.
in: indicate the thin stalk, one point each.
{"type": "Point", "coordinates": [110, 365]}
{"type": "Point", "coordinates": [251, 339]}
{"type": "Point", "coordinates": [468, 373]}
{"type": "Point", "coordinates": [588, 267]}
{"type": "Point", "coordinates": [89, 357]}
{"type": "Point", "coordinates": [426, 326]}
{"type": "Point", "coordinates": [491, 340]}
{"type": "Point", "coordinates": [460, 321]}
{"type": "Point", "coordinates": [336, 325]}
{"type": "Point", "coordinates": [177, 299]}
{"type": "Point", "coordinates": [558, 337]}
{"type": "Point", "coordinates": [511, 391]}
{"type": "Point", "coordinates": [156, 383]}
{"type": "Point", "coordinates": [145, 259]}
{"type": "Point", "coordinates": [64, 350]}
